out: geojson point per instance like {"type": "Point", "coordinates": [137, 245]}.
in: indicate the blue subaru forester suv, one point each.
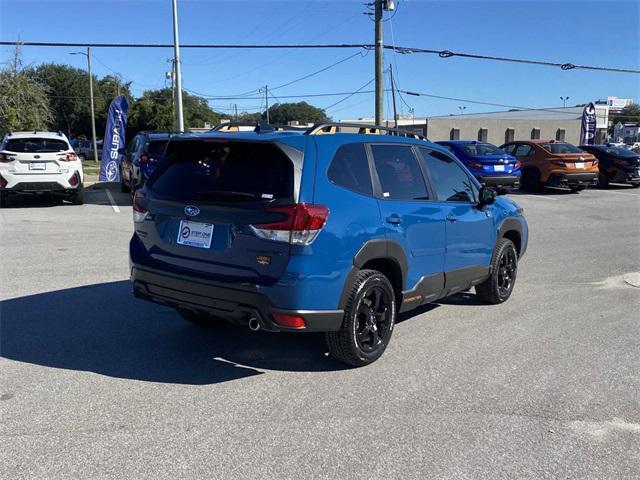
{"type": "Point", "coordinates": [336, 230]}
{"type": "Point", "coordinates": [490, 165]}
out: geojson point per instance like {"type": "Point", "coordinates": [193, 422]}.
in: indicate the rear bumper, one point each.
{"type": "Point", "coordinates": [35, 183]}
{"type": "Point", "coordinates": [501, 181]}
{"type": "Point", "coordinates": [236, 303]}
{"type": "Point", "coordinates": [572, 179]}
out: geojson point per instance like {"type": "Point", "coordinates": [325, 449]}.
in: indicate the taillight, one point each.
{"type": "Point", "coordinates": [73, 181]}
{"type": "Point", "coordinates": [301, 223]}
{"type": "Point", "coordinates": [146, 159]}
{"type": "Point", "coordinates": [68, 157]}
{"type": "Point", "coordinates": [560, 163]}
{"type": "Point", "coordinates": [517, 165]}
{"type": "Point", "coordinates": [139, 213]}
{"type": "Point", "coordinates": [595, 163]}
{"type": "Point", "coordinates": [476, 165]}
{"type": "Point", "coordinates": [4, 158]}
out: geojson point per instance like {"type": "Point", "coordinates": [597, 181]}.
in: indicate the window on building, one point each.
{"type": "Point", "coordinates": [350, 169]}
{"type": "Point", "coordinates": [535, 134]}
{"type": "Point", "coordinates": [560, 135]}
{"type": "Point", "coordinates": [483, 135]}
{"type": "Point", "coordinates": [509, 135]}
{"type": "Point", "coordinates": [454, 134]}
{"type": "Point", "coordinates": [399, 173]}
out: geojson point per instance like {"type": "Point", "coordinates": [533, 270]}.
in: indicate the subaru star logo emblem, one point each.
{"type": "Point", "coordinates": [191, 210]}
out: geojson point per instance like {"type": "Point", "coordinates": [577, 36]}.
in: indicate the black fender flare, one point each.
{"type": "Point", "coordinates": [372, 250]}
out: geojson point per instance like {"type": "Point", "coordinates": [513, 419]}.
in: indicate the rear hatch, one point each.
{"type": "Point", "coordinates": [37, 156]}
{"type": "Point", "coordinates": [578, 161]}
{"type": "Point", "coordinates": [204, 201]}
{"type": "Point", "coordinates": [489, 158]}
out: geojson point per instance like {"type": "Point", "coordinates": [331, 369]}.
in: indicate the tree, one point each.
{"type": "Point", "coordinates": [629, 114]}
{"type": "Point", "coordinates": [24, 104]}
{"type": "Point", "coordinates": [154, 111]}
{"type": "Point", "coordinates": [282, 113]}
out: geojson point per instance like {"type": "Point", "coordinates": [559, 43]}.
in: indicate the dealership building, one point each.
{"type": "Point", "coordinates": [557, 123]}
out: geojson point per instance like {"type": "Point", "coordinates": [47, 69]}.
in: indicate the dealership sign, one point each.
{"type": "Point", "coordinates": [588, 129]}
{"type": "Point", "coordinates": [114, 140]}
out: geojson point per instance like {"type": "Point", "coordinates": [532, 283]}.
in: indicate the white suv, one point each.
{"type": "Point", "coordinates": [39, 162]}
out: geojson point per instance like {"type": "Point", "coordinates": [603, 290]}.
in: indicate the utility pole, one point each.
{"type": "Point", "coordinates": [393, 94]}
{"type": "Point", "coordinates": [235, 111]}
{"type": "Point", "coordinates": [266, 100]}
{"type": "Point", "coordinates": [378, 63]}
{"type": "Point", "coordinates": [93, 113]}
{"type": "Point", "coordinates": [176, 59]}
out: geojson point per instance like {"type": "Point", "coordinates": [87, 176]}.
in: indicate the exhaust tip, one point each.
{"type": "Point", "coordinates": [254, 324]}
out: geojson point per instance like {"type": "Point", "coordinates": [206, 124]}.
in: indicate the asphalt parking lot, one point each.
{"type": "Point", "coordinates": [96, 384]}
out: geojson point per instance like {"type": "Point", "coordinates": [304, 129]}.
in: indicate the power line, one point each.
{"type": "Point", "coordinates": [352, 94]}
{"type": "Point", "coordinates": [399, 49]}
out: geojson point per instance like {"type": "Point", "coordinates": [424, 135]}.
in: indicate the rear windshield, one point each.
{"type": "Point", "coordinates": [482, 149]}
{"type": "Point", "coordinates": [33, 145]}
{"type": "Point", "coordinates": [620, 152]}
{"type": "Point", "coordinates": [212, 170]}
{"type": "Point", "coordinates": [156, 148]}
{"type": "Point", "coordinates": [561, 148]}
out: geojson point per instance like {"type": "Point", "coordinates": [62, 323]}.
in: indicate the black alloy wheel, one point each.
{"type": "Point", "coordinates": [367, 325]}
{"type": "Point", "coordinates": [507, 267]}
{"type": "Point", "coordinates": [498, 286]}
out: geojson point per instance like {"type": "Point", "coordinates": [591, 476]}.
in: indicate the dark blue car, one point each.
{"type": "Point", "coordinates": [491, 165]}
{"type": "Point", "coordinates": [141, 157]}
{"type": "Point", "coordinates": [334, 229]}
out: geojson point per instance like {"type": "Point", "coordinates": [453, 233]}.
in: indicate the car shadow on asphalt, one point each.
{"type": "Point", "coordinates": [96, 194]}
{"type": "Point", "coordinates": [103, 329]}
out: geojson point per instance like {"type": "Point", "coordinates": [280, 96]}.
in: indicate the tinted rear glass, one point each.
{"type": "Point", "coordinates": [156, 147]}
{"type": "Point", "coordinates": [620, 152]}
{"type": "Point", "coordinates": [33, 145]}
{"type": "Point", "coordinates": [561, 148]}
{"type": "Point", "coordinates": [482, 149]}
{"type": "Point", "coordinates": [350, 169]}
{"type": "Point", "coordinates": [224, 171]}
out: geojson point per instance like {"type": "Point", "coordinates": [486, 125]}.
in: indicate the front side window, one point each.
{"type": "Point", "coordinates": [350, 169]}
{"type": "Point", "coordinates": [450, 181]}
{"type": "Point", "coordinates": [399, 172]}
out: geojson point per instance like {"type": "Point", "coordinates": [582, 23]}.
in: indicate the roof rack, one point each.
{"type": "Point", "coordinates": [254, 127]}
{"type": "Point", "coordinates": [337, 127]}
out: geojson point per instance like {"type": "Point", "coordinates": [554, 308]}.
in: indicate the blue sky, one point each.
{"type": "Point", "coordinates": [579, 32]}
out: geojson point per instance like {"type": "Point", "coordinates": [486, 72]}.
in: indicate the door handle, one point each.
{"type": "Point", "coordinates": [395, 219]}
{"type": "Point", "coordinates": [451, 217]}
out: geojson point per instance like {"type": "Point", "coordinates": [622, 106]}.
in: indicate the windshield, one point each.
{"type": "Point", "coordinates": [36, 145]}
{"type": "Point", "coordinates": [560, 147]}
{"type": "Point", "coordinates": [482, 149]}
{"type": "Point", "coordinates": [225, 171]}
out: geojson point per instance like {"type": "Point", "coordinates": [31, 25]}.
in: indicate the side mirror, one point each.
{"type": "Point", "coordinates": [487, 196]}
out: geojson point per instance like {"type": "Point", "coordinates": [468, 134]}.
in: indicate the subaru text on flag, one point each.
{"type": "Point", "coordinates": [330, 230]}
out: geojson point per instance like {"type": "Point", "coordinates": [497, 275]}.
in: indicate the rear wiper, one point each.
{"type": "Point", "coordinates": [217, 194]}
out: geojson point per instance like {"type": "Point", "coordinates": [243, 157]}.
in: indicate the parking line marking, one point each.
{"type": "Point", "coordinates": [539, 196]}
{"type": "Point", "coordinates": [113, 202]}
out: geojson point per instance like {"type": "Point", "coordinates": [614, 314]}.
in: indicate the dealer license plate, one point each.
{"type": "Point", "coordinates": [195, 234]}
{"type": "Point", "coordinates": [37, 166]}
{"type": "Point", "coordinates": [579, 164]}
{"type": "Point", "coordinates": [498, 168]}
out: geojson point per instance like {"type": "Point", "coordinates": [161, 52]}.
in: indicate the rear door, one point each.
{"type": "Point", "coordinates": [470, 231]}
{"type": "Point", "coordinates": [204, 199]}
{"type": "Point", "coordinates": [37, 156]}
{"type": "Point", "coordinates": [410, 219]}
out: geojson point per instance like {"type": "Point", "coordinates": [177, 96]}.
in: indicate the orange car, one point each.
{"type": "Point", "coordinates": [554, 164]}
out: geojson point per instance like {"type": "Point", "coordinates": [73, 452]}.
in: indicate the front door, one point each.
{"type": "Point", "coordinates": [470, 230]}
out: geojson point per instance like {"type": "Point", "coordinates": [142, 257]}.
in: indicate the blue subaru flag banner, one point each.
{"type": "Point", "coordinates": [588, 129]}
{"type": "Point", "coordinates": [114, 140]}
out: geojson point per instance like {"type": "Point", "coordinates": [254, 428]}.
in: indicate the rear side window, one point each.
{"type": "Point", "coordinates": [33, 145]}
{"type": "Point", "coordinates": [450, 181]}
{"type": "Point", "coordinates": [524, 150]}
{"type": "Point", "coordinates": [224, 171]}
{"type": "Point", "coordinates": [350, 169]}
{"type": "Point", "coordinates": [156, 148]}
{"type": "Point", "coordinates": [399, 173]}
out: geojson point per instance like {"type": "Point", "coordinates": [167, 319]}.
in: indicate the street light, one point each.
{"type": "Point", "coordinates": [564, 101]}
{"type": "Point", "coordinates": [93, 113]}
{"type": "Point", "coordinates": [462, 109]}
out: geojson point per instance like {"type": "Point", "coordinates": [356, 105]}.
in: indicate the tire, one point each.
{"type": "Point", "coordinates": [504, 268]}
{"type": "Point", "coordinates": [77, 198]}
{"type": "Point", "coordinates": [635, 185]}
{"type": "Point", "coordinates": [199, 319]}
{"type": "Point", "coordinates": [603, 180]}
{"type": "Point", "coordinates": [531, 180]}
{"type": "Point", "coordinates": [3, 200]}
{"type": "Point", "coordinates": [577, 188]}
{"type": "Point", "coordinates": [367, 325]}
{"type": "Point", "coordinates": [504, 191]}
